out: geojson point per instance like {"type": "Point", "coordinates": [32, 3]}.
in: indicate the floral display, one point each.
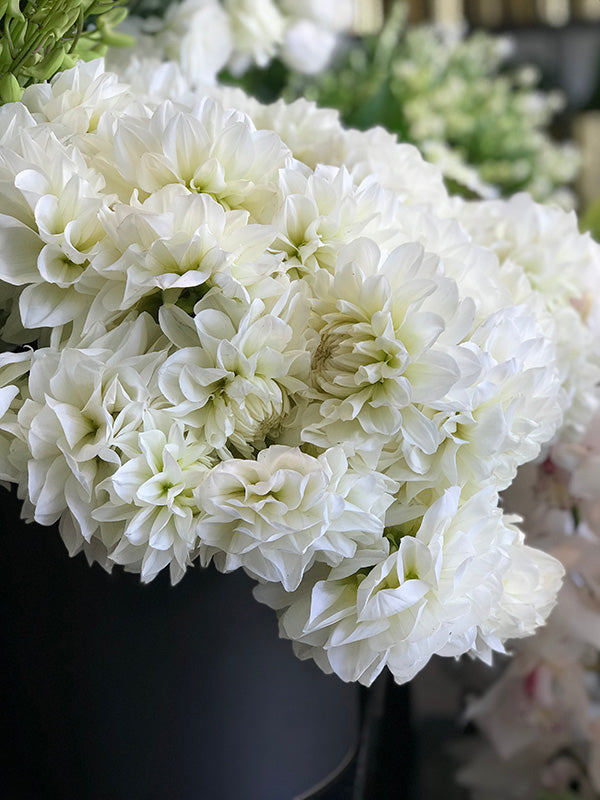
{"type": "Point", "coordinates": [548, 265]}
{"type": "Point", "coordinates": [540, 717]}
{"type": "Point", "coordinates": [453, 95]}
{"type": "Point", "coordinates": [242, 334]}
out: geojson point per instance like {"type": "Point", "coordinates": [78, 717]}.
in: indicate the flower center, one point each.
{"type": "Point", "coordinates": [326, 350]}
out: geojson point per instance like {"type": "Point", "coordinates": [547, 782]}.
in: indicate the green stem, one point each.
{"type": "Point", "coordinates": [11, 46]}
{"type": "Point", "coordinates": [78, 32]}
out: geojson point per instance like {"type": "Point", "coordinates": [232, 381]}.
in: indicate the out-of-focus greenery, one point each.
{"type": "Point", "coordinates": [38, 38]}
{"type": "Point", "coordinates": [449, 93]}
{"type": "Point", "coordinates": [590, 220]}
{"type": "Point", "coordinates": [148, 8]}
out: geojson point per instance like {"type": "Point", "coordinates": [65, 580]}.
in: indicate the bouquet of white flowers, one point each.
{"type": "Point", "coordinates": [242, 334]}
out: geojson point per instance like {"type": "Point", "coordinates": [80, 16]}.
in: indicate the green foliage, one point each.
{"type": "Point", "coordinates": [360, 83]}
{"type": "Point", "coordinates": [264, 83]}
{"type": "Point", "coordinates": [38, 38]}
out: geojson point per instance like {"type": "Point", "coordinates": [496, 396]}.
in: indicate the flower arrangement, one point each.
{"type": "Point", "coordinates": [242, 334]}
{"type": "Point", "coordinates": [547, 736]}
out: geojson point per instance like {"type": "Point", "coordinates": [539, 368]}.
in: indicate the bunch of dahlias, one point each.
{"type": "Point", "coordinates": [540, 716]}
{"type": "Point", "coordinates": [241, 334]}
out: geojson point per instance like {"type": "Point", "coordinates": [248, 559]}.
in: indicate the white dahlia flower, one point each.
{"type": "Point", "coordinates": [207, 148]}
{"type": "Point", "coordinates": [448, 581]}
{"type": "Point", "coordinates": [316, 136]}
{"type": "Point", "coordinates": [75, 100]}
{"type": "Point", "coordinates": [236, 368]}
{"type": "Point", "coordinates": [49, 227]}
{"type": "Point", "coordinates": [387, 328]}
{"type": "Point", "coordinates": [179, 243]}
{"type": "Point", "coordinates": [322, 212]}
{"type": "Point", "coordinates": [79, 402]}
{"type": "Point", "coordinates": [488, 427]}
{"type": "Point", "coordinates": [278, 515]}
{"type": "Point", "coordinates": [153, 509]}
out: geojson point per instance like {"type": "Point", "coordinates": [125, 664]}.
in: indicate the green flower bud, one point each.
{"type": "Point", "coordinates": [69, 60]}
{"type": "Point", "coordinates": [113, 17]}
{"type": "Point", "coordinates": [18, 32]}
{"type": "Point", "coordinates": [65, 20]}
{"type": "Point", "coordinates": [10, 91]}
{"type": "Point", "coordinates": [40, 15]}
{"type": "Point", "coordinates": [47, 66]}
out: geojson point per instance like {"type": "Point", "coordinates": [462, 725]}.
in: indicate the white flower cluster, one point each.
{"type": "Point", "coordinates": [206, 36]}
{"type": "Point", "coordinates": [271, 363]}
